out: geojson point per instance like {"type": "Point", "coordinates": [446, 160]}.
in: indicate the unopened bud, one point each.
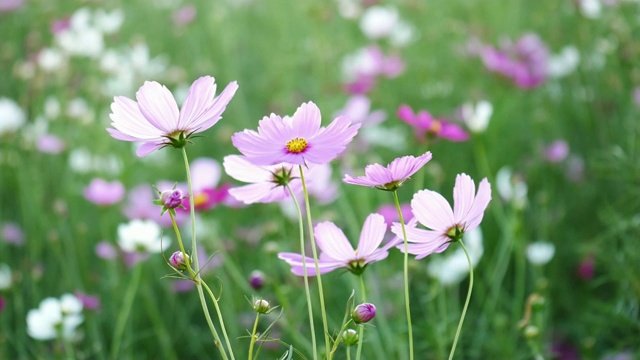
{"type": "Point", "coordinates": [171, 199]}
{"type": "Point", "coordinates": [261, 306]}
{"type": "Point", "coordinates": [177, 260]}
{"type": "Point", "coordinates": [363, 313]}
{"type": "Point", "coordinates": [256, 279]}
{"type": "Point", "coordinates": [349, 337]}
{"type": "Point", "coordinates": [531, 331]}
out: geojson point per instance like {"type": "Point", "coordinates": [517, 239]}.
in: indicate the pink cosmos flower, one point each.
{"type": "Point", "coordinates": [296, 140]}
{"type": "Point", "coordinates": [155, 121]}
{"type": "Point", "coordinates": [103, 193]}
{"type": "Point", "coordinates": [12, 233]}
{"type": "Point", "coordinates": [424, 124]}
{"type": "Point", "coordinates": [445, 225]}
{"type": "Point", "coordinates": [391, 177]}
{"type": "Point", "coordinates": [390, 213]}
{"type": "Point", "coordinates": [362, 69]}
{"type": "Point", "coordinates": [337, 252]}
{"type": "Point", "coordinates": [557, 151]}
{"type": "Point", "coordinates": [50, 144]}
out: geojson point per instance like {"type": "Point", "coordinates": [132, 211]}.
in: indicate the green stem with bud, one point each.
{"type": "Point", "coordinates": [253, 335]}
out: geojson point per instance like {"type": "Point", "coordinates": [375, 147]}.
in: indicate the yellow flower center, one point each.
{"type": "Point", "coordinates": [200, 199]}
{"type": "Point", "coordinates": [436, 127]}
{"type": "Point", "coordinates": [296, 145]}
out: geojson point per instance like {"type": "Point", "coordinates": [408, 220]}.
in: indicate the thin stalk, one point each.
{"type": "Point", "coordinates": [253, 336]}
{"type": "Point", "coordinates": [466, 302]}
{"type": "Point", "coordinates": [196, 268]}
{"type": "Point", "coordinates": [217, 307]}
{"type": "Point", "coordinates": [304, 273]}
{"type": "Point", "coordinates": [125, 310]}
{"type": "Point", "coordinates": [406, 274]}
{"type": "Point", "coordinates": [361, 330]}
{"type": "Point", "coordinates": [315, 261]}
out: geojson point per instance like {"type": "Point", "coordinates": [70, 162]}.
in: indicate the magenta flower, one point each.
{"type": "Point", "coordinates": [205, 174]}
{"type": "Point", "coordinates": [445, 225]}
{"type": "Point", "coordinates": [337, 252]}
{"type": "Point", "coordinates": [102, 192]}
{"type": "Point", "coordinates": [50, 144]}
{"type": "Point", "coordinates": [557, 151]}
{"type": "Point", "coordinates": [296, 140]}
{"type": "Point", "coordinates": [155, 121]}
{"type": "Point", "coordinates": [426, 125]}
{"type": "Point", "coordinates": [391, 177]}
{"type": "Point", "coordinates": [12, 233]}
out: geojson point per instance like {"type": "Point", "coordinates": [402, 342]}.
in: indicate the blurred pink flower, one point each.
{"type": "Point", "coordinates": [155, 120]}
{"type": "Point", "coordinates": [103, 193]}
{"type": "Point", "coordinates": [557, 151]}
{"type": "Point", "coordinates": [205, 174]}
{"type": "Point", "coordinates": [10, 5]}
{"type": "Point", "coordinates": [526, 62]}
{"type": "Point", "coordinates": [586, 269]}
{"type": "Point", "coordinates": [392, 176]}
{"type": "Point", "coordinates": [12, 234]}
{"type": "Point", "coordinates": [3, 303]}
{"type": "Point", "coordinates": [184, 15]}
{"type": "Point", "coordinates": [50, 144]}
{"type": "Point", "coordinates": [390, 213]}
{"type": "Point", "coordinates": [426, 125]}
{"type": "Point", "coordinates": [60, 25]}
{"type": "Point", "coordinates": [89, 302]}
{"type": "Point", "coordinates": [106, 250]}
{"type": "Point", "coordinates": [358, 110]}
{"type": "Point", "coordinates": [445, 225]}
{"type": "Point", "coordinates": [296, 140]}
{"type": "Point", "coordinates": [362, 69]}
{"type": "Point", "coordinates": [337, 252]}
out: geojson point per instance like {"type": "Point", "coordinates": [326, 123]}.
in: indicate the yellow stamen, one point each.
{"type": "Point", "coordinates": [436, 127]}
{"type": "Point", "coordinates": [296, 145]}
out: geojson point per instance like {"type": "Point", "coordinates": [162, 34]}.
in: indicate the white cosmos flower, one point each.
{"type": "Point", "coordinates": [5, 276]}
{"type": "Point", "coordinates": [379, 21]}
{"type": "Point", "coordinates": [12, 117]}
{"type": "Point", "coordinates": [141, 236]}
{"type": "Point", "coordinates": [477, 117]}
{"type": "Point", "coordinates": [540, 253]}
{"type": "Point", "coordinates": [511, 188]}
{"type": "Point", "coordinates": [55, 317]}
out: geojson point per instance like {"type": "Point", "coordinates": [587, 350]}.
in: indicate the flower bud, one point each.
{"type": "Point", "coordinates": [531, 331]}
{"type": "Point", "coordinates": [178, 261]}
{"type": "Point", "coordinates": [349, 337]}
{"type": "Point", "coordinates": [261, 306]}
{"type": "Point", "coordinates": [256, 279]}
{"type": "Point", "coordinates": [363, 313]}
{"type": "Point", "coordinates": [171, 199]}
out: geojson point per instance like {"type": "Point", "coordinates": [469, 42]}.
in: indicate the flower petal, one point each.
{"type": "Point", "coordinates": [372, 234]}
{"type": "Point", "coordinates": [158, 106]}
{"type": "Point", "coordinates": [432, 210]}
{"type": "Point", "coordinates": [332, 241]}
{"type": "Point", "coordinates": [475, 214]}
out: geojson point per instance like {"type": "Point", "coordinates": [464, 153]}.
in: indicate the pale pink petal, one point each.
{"type": "Point", "coordinates": [306, 120]}
{"type": "Point", "coordinates": [297, 266]}
{"type": "Point", "coordinates": [198, 100]}
{"type": "Point", "coordinates": [475, 214]}
{"type": "Point", "coordinates": [432, 210]}
{"type": "Point", "coordinates": [331, 241]}
{"type": "Point", "coordinates": [158, 106]}
{"type": "Point", "coordinates": [127, 118]}
{"type": "Point", "coordinates": [205, 173]}
{"type": "Point", "coordinates": [239, 168]}
{"type": "Point", "coordinates": [372, 234]}
{"type": "Point", "coordinates": [263, 192]}
{"type": "Point", "coordinates": [148, 147]}
{"type": "Point", "coordinates": [464, 192]}
{"type": "Point", "coordinates": [213, 114]}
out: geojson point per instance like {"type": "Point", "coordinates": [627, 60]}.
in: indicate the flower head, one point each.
{"type": "Point", "coordinates": [296, 140]}
{"type": "Point", "coordinates": [102, 192]}
{"type": "Point", "coordinates": [141, 236]}
{"type": "Point", "coordinates": [53, 314]}
{"type": "Point", "coordinates": [391, 177]}
{"type": "Point", "coordinates": [363, 313]}
{"type": "Point", "coordinates": [426, 125]}
{"type": "Point", "coordinates": [337, 252]}
{"type": "Point", "coordinates": [155, 121]}
{"type": "Point", "coordinates": [445, 225]}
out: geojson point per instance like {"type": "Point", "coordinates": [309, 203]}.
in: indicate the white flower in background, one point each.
{"type": "Point", "coordinates": [477, 117]}
{"type": "Point", "coordinates": [540, 253]}
{"type": "Point", "coordinates": [85, 37]}
{"type": "Point", "coordinates": [564, 63]}
{"type": "Point", "coordinates": [55, 317]}
{"type": "Point", "coordinates": [143, 236]}
{"type": "Point", "coordinates": [82, 162]}
{"type": "Point", "coordinates": [591, 9]}
{"type": "Point", "coordinates": [349, 9]}
{"type": "Point", "coordinates": [379, 21]}
{"type": "Point", "coordinates": [51, 59]}
{"type": "Point", "coordinates": [511, 188]}
{"type": "Point", "coordinates": [52, 107]}
{"type": "Point", "coordinates": [128, 66]}
{"type": "Point", "coordinates": [12, 117]}
{"type": "Point", "coordinates": [5, 276]}
{"type": "Point", "coordinates": [402, 35]}
{"type": "Point", "coordinates": [358, 63]}
{"type": "Point", "coordinates": [78, 108]}
{"type": "Point", "coordinates": [453, 268]}
{"type": "Point", "coordinates": [108, 22]}
{"type": "Point", "coordinates": [394, 138]}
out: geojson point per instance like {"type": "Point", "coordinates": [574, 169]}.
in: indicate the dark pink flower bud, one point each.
{"type": "Point", "coordinates": [363, 313]}
{"type": "Point", "coordinates": [177, 260]}
{"type": "Point", "coordinates": [171, 199]}
{"type": "Point", "coordinates": [256, 279]}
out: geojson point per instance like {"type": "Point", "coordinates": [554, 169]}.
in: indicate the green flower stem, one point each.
{"type": "Point", "coordinates": [406, 274]}
{"type": "Point", "coordinates": [315, 261]}
{"type": "Point", "coordinates": [361, 330]}
{"type": "Point", "coordinates": [338, 339]}
{"type": "Point", "coordinates": [253, 336]}
{"type": "Point", "coordinates": [304, 270]}
{"type": "Point", "coordinates": [220, 319]}
{"type": "Point", "coordinates": [466, 302]}
{"type": "Point", "coordinates": [194, 255]}
{"type": "Point", "coordinates": [68, 348]}
{"type": "Point", "coordinates": [125, 310]}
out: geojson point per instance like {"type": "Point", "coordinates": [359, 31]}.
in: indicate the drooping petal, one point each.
{"type": "Point", "coordinates": [263, 192]}
{"type": "Point", "coordinates": [464, 192]}
{"type": "Point", "coordinates": [372, 234]}
{"type": "Point", "coordinates": [198, 100]}
{"type": "Point", "coordinates": [213, 113]}
{"type": "Point", "coordinates": [432, 210]}
{"type": "Point", "coordinates": [297, 266]}
{"type": "Point", "coordinates": [158, 106]}
{"type": "Point", "coordinates": [333, 242]}
{"type": "Point", "coordinates": [241, 169]}
{"type": "Point", "coordinates": [148, 147]}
